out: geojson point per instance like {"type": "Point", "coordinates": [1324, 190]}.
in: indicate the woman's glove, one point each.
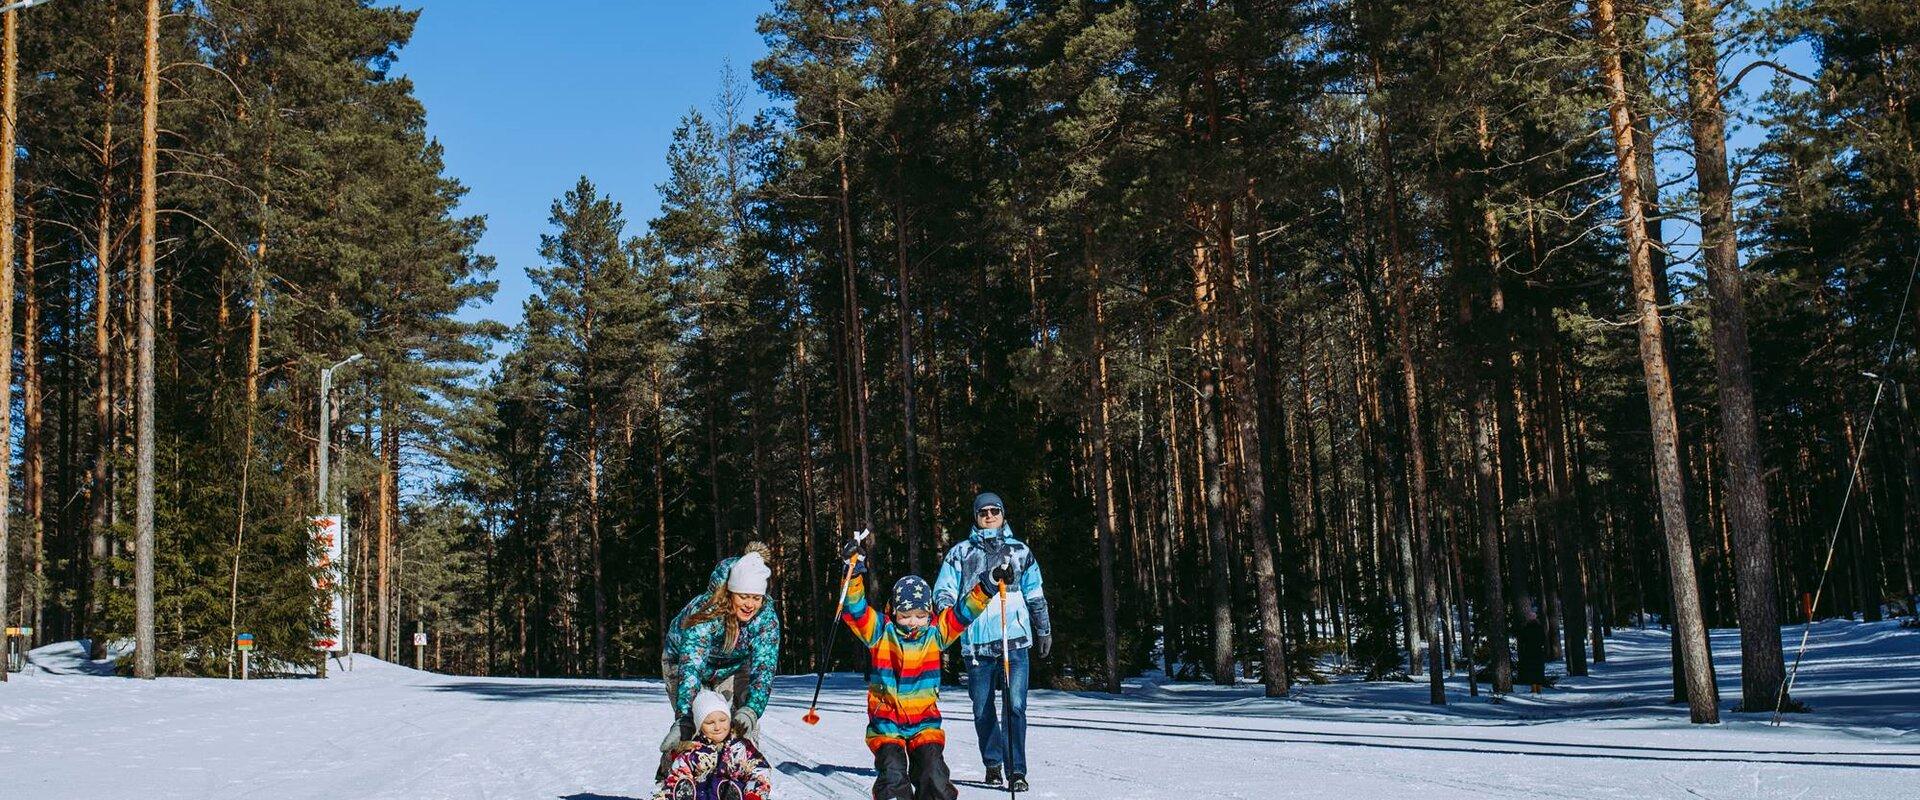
{"type": "Point", "coordinates": [744, 720]}
{"type": "Point", "coordinates": [678, 734]}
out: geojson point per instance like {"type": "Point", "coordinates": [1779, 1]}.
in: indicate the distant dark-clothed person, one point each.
{"type": "Point", "coordinates": [1024, 625]}
{"type": "Point", "coordinates": [1532, 650]}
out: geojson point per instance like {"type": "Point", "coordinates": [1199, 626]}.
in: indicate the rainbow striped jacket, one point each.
{"type": "Point", "coordinates": [903, 693]}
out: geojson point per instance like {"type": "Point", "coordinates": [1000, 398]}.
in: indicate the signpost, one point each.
{"type": "Point", "coordinates": [328, 531]}
{"type": "Point", "coordinates": [420, 650]}
{"type": "Point", "coordinates": [244, 643]}
{"type": "Point", "coordinates": [17, 654]}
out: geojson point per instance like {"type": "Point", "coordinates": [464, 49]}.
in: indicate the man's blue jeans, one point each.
{"type": "Point", "coordinates": [984, 674]}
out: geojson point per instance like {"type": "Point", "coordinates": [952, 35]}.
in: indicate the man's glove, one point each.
{"type": "Point", "coordinates": [1043, 645]}
{"type": "Point", "coordinates": [743, 720]}
{"type": "Point", "coordinates": [1002, 573]}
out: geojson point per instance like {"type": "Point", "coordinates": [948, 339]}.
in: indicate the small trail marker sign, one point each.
{"type": "Point", "coordinates": [244, 643]}
{"type": "Point", "coordinates": [16, 654]}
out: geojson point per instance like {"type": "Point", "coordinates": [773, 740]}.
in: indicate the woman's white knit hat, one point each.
{"type": "Point", "coordinates": [707, 703]}
{"type": "Point", "coordinates": [749, 575]}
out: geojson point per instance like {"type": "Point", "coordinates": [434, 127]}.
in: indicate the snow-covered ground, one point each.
{"type": "Point", "coordinates": [383, 731]}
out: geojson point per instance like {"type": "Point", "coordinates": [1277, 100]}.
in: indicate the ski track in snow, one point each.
{"type": "Point", "coordinates": [382, 731]}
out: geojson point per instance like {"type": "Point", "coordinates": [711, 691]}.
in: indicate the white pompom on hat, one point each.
{"type": "Point", "coordinates": [749, 575]}
{"type": "Point", "coordinates": [708, 703]}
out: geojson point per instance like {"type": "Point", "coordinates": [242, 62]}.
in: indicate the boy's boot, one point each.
{"type": "Point", "coordinates": [993, 775]}
{"type": "Point", "coordinates": [1018, 783]}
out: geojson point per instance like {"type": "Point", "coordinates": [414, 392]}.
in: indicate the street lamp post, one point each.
{"type": "Point", "coordinates": [326, 424]}
{"type": "Point", "coordinates": [325, 498]}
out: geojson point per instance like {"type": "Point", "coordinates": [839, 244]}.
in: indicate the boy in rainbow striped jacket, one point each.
{"type": "Point", "coordinates": [903, 693]}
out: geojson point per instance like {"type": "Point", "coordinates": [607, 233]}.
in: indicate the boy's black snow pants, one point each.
{"type": "Point", "coordinates": [919, 774]}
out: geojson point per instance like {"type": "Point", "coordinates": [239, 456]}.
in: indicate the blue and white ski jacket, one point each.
{"type": "Point", "coordinates": [968, 563]}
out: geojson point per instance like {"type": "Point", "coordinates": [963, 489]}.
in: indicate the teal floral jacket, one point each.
{"type": "Point", "coordinates": [698, 656]}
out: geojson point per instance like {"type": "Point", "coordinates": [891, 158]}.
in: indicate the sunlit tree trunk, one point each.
{"type": "Point", "coordinates": [1689, 627]}
{"type": "Point", "coordinates": [143, 543]}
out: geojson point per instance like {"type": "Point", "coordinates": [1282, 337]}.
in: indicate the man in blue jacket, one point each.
{"type": "Point", "coordinates": [1027, 628]}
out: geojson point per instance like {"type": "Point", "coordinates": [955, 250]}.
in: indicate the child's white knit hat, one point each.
{"type": "Point", "coordinates": [708, 703]}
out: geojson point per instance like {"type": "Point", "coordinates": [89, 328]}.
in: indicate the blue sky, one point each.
{"type": "Point", "coordinates": [527, 97]}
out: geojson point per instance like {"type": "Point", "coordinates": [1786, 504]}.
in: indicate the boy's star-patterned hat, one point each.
{"type": "Point", "coordinates": [912, 593]}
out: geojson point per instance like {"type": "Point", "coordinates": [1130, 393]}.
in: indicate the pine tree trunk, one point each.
{"type": "Point", "coordinates": [1703, 696]}
{"type": "Point", "coordinates": [1910, 458]}
{"type": "Point", "coordinates": [1401, 282]}
{"type": "Point", "coordinates": [1487, 484]}
{"type": "Point", "coordinates": [256, 296]}
{"type": "Point", "coordinates": [713, 478]}
{"type": "Point", "coordinates": [33, 457]}
{"type": "Point", "coordinates": [69, 388]}
{"type": "Point", "coordinates": [659, 495]}
{"type": "Point", "coordinates": [1231, 321]}
{"type": "Point", "coordinates": [1220, 553]}
{"type": "Point", "coordinates": [909, 443]}
{"type": "Point", "coordinates": [595, 549]}
{"type": "Point", "coordinates": [595, 552]}
{"type": "Point", "coordinates": [1762, 665]}
{"type": "Point", "coordinates": [1481, 417]}
{"type": "Point", "coordinates": [1102, 479]}
{"type": "Point", "coordinates": [143, 664]}
{"type": "Point", "coordinates": [387, 511]}
{"type": "Point", "coordinates": [1569, 528]}
{"type": "Point", "coordinates": [856, 338]}
{"type": "Point", "coordinates": [8, 92]}
{"type": "Point", "coordinates": [100, 490]}
{"type": "Point", "coordinates": [807, 534]}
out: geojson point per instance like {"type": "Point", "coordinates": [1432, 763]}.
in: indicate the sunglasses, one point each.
{"type": "Point", "coordinates": [987, 512]}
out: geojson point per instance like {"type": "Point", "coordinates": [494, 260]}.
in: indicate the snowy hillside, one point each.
{"type": "Point", "coordinates": [383, 731]}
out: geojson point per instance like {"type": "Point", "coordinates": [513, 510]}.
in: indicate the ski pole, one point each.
{"type": "Point", "coordinates": [813, 715]}
{"type": "Point", "coordinates": [1006, 670]}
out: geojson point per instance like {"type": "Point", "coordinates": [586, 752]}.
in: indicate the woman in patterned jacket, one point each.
{"type": "Point", "coordinates": [728, 640]}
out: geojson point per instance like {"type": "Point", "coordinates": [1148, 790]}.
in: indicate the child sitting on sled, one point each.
{"type": "Point", "coordinates": [903, 692]}
{"type": "Point", "coordinates": [718, 763]}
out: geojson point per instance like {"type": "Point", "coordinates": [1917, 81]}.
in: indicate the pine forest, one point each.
{"type": "Point", "coordinates": [1298, 336]}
